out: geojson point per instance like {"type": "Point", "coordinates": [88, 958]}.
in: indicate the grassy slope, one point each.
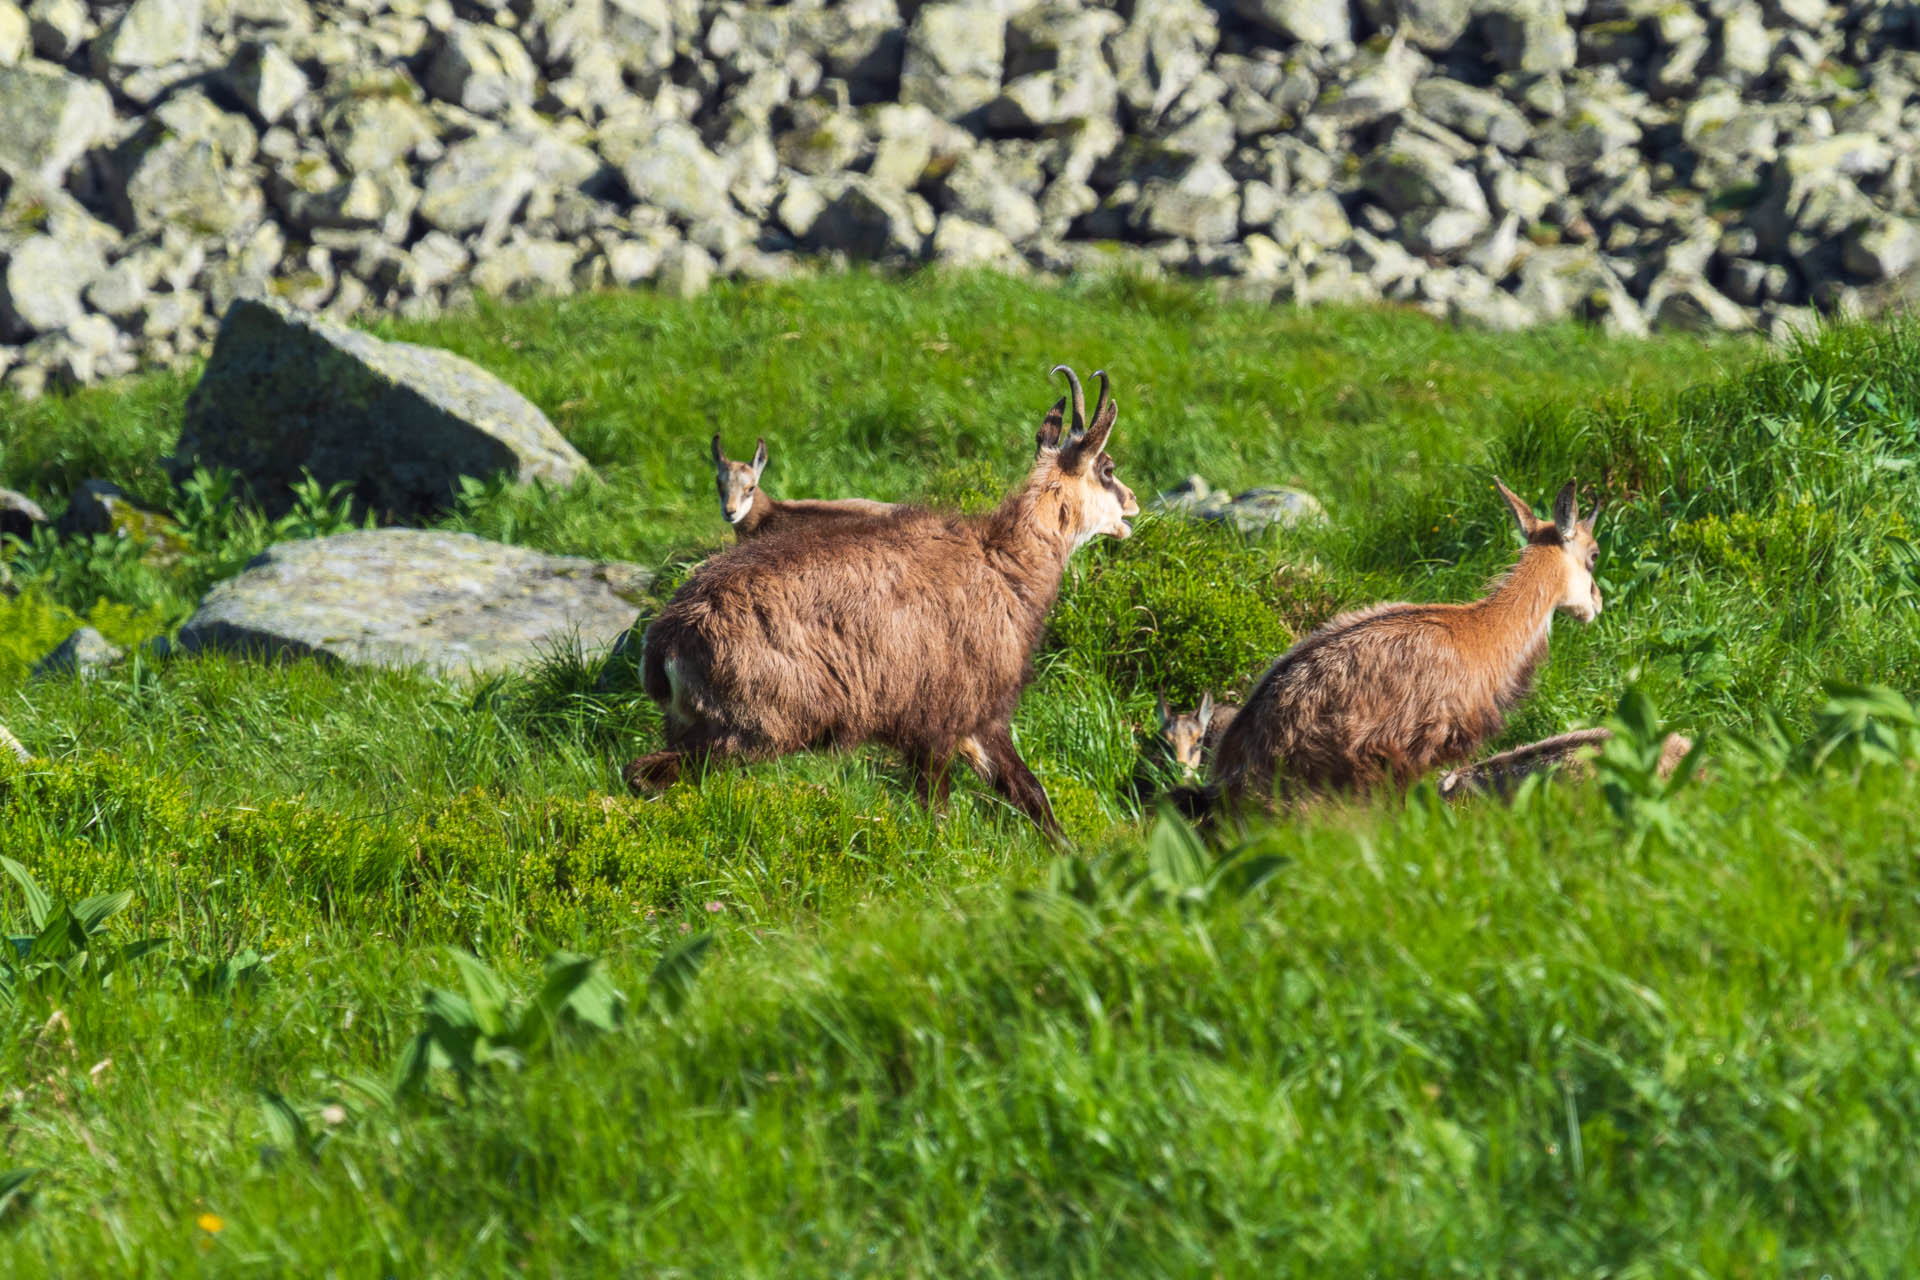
{"type": "Point", "coordinates": [1432, 1042]}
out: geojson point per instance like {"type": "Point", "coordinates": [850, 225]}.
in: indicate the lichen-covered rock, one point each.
{"type": "Point", "coordinates": [19, 515]}
{"type": "Point", "coordinates": [41, 280]}
{"type": "Point", "coordinates": [283, 393]}
{"type": "Point", "coordinates": [16, 34]}
{"type": "Point", "coordinates": [868, 220]}
{"type": "Point", "coordinates": [1311, 22]}
{"type": "Point", "coordinates": [447, 603]}
{"type": "Point", "coordinates": [673, 170]}
{"type": "Point", "coordinates": [486, 179]}
{"type": "Point", "coordinates": [1252, 511]}
{"type": "Point", "coordinates": [267, 81]}
{"type": "Point", "coordinates": [954, 57]}
{"type": "Point", "coordinates": [150, 33]}
{"type": "Point", "coordinates": [482, 69]}
{"type": "Point", "coordinates": [187, 166]}
{"type": "Point", "coordinates": [52, 119]}
{"type": "Point", "coordinates": [83, 653]}
{"type": "Point", "coordinates": [1883, 248]}
{"type": "Point", "coordinates": [101, 507]}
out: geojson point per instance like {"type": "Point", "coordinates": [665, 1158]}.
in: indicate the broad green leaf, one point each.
{"type": "Point", "coordinates": [90, 912]}
{"type": "Point", "coordinates": [487, 994]}
{"type": "Point", "coordinates": [39, 906]}
{"type": "Point", "coordinates": [285, 1125]}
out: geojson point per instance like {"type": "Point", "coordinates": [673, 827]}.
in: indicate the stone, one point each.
{"type": "Point", "coordinates": [526, 267]}
{"type": "Point", "coordinates": [52, 120]}
{"type": "Point", "coordinates": [1377, 85]}
{"type": "Point", "coordinates": [1687, 302]}
{"type": "Point", "coordinates": [401, 423]}
{"type": "Point", "coordinates": [1434, 25]}
{"type": "Point", "coordinates": [1317, 23]}
{"type": "Point", "coordinates": [1201, 205]}
{"type": "Point", "coordinates": [823, 146]}
{"type": "Point", "coordinates": [960, 243]}
{"type": "Point", "coordinates": [482, 69]}
{"type": "Point", "coordinates": [1055, 70]}
{"type": "Point", "coordinates": [1441, 231]}
{"type": "Point", "coordinates": [1556, 283]}
{"type": "Point", "coordinates": [10, 746]}
{"type": "Point", "coordinates": [41, 281]}
{"type": "Point", "coordinates": [19, 515]}
{"type": "Point", "coordinates": [83, 654]}
{"type": "Point", "coordinates": [866, 220]}
{"type": "Point", "coordinates": [1473, 113]}
{"type": "Point", "coordinates": [1882, 249]}
{"type": "Point", "coordinates": [686, 271]}
{"type": "Point", "coordinates": [267, 81]}
{"type": "Point", "coordinates": [903, 145]}
{"type": "Point", "coordinates": [375, 124]}
{"type": "Point", "coordinates": [1162, 50]}
{"type": "Point", "coordinates": [1746, 46]}
{"type": "Point", "coordinates": [100, 508]}
{"type": "Point", "coordinates": [151, 33]}
{"type": "Point", "coordinates": [1495, 310]}
{"type": "Point", "coordinates": [1254, 511]}
{"type": "Point", "coordinates": [187, 166]}
{"type": "Point", "coordinates": [974, 189]}
{"type": "Point", "coordinates": [954, 57]}
{"type": "Point", "coordinates": [448, 604]}
{"type": "Point", "coordinates": [59, 28]}
{"type": "Point", "coordinates": [1411, 172]}
{"type": "Point", "coordinates": [485, 179]}
{"type": "Point", "coordinates": [16, 34]}
{"type": "Point", "coordinates": [1529, 35]}
{"type": "Point", "coordinates": [1589, 131]}
{"type": "Point", "coordinates": [1315, 219]}
{"type": "Point", "coordinates": [674, 171]}
{"type": "Point", "coordinates": [642, 34]}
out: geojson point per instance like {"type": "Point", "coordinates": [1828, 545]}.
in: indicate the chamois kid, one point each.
{"type": "Point", "coordinates": [1384, 694]}
{"type": "Point", "coordinates": [752, 513]}
{"type": "Point", "coordinates": [915, 629]}
{"type": "Point", "coordinates": [1187, 738]}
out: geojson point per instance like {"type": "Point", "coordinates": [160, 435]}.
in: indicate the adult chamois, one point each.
{"type": "Point", "coordinates": [915, 628]}
{"type": "Point", "coordinates": [752, 513]}
{"type": "Point", "coordinates": [1387, 693]}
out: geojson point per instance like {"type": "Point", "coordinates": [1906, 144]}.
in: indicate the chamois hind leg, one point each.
{"type": "Point", "coordinates": [1013, 780]}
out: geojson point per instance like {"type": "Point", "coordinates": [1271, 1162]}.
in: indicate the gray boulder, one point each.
{"type": "Point", "coordinates": [150, 33]}
{"type": "Point", "coordinates": [482, 69]}
{"type": "Point", "coordinates": [401, 423]}
{"type": "Point", "coordinates": [1201, 205]}
{"type": "Point", "coordinates": [187, 165]}
{"type": "Point", "coordinates": [266, 80]}
{"type": "Point", "coordinates": [1163, 49]}
{"type": "Point", "coordinates": [41, 280]}
{"type": "Point", "coordinates": [83, 653]}
{"type": "Point", "coordinates": [867, 220]}
{"type": "Point", "coordinates": [1479, 114]}
{"type": "Point", "coordinates": [101, 507]}
{"type": "Point", "coordinates": [1882, 249]}
{"type": "Point", "coordinates": [19, 515]}
{"type": "Point", "coordinates": [1055, 69]}
{"type": "Point", "coordinates": [371, 123]}
{"type": "Point", "coordinates": [447, 603]}
{"type": "Point", "coordinates": [52, 119]}
{"type": "Point", "coordinates": [1529, 35]}
{"type": "Point", "coordinates": [674, 171]}
{"type": "Point", "coordinates": [485, 180]}
{"type": "Point", "coordinates": [1681, 301]}
{"type": "Point", "coordinates": [1411, 172]}
{"type": "Point", "coordinates": [1252, 512]}
{"type": "Point", "coordinates": [1310, 22]}
{"type": "Point", "coordinates": [954, 58]}
{"type": "Point", "coordinates": [1434, 25]}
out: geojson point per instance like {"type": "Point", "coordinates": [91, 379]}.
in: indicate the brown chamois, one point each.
{"type": "Point", "coordinates": [915, 629]}
{"type": "Point", "coordinates": [1568, 755]}
{"type": "Point", "coordinates": [752, 513]}
{"type": "Point", "coordinates": [1188, 738]}
{"type": "Point", "coordinates": [1387, 693]}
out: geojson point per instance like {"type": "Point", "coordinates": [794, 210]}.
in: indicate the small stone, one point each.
{"type": "Point", "coordinates": [482, 69]}
{"type": "Point", "coordinates": [151, 33]}
{"type": "Point", "coordinates": [59, 28]}
{"type": "Point", "coordinates": [960, 243]}
{"type": "Point", "coordinates": [524, 268]}
{"type": "Point", "coordinates": [19, 515]}
{"type": "Point", "coordinates": [1882, 249]}
{"type": "Point", "coordinates": [686, 271]}
{"type": "Point", "coordinates": [954, 56]}
{"type": "Point", "coordinates": [1689, 303]}
{"type": "Point", "coordinates": [84, 653]}
{"type": "Point", "coordinates": [52, 119]}
{"type": "Point", "coordinates": [673, 170]}
{"type": "Point", "coordinates": [267, 81]}
{"type": "Point", "coordinates": [1316, 23]}
{"type": "Point", "coordinates": [41, 282]}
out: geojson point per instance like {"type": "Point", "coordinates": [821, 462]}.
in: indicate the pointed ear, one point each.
{"type": "Point", "coordinates": [1206, 710]}
{"type": "Point", "coordinates": [1084, 448]}
{"type": "Point", "coordinates": [1048, 436]}
{"type": "Point", "coordinates": [1563, 510]}
{"type": "Point", "coordinates": [1593, 517]}
{"type": "Point", "coordinates": [719, 456]}
{"type": "Point", "coordinates": [759, 457]}
{"type": "Point", "coordinates": [1522, 513]}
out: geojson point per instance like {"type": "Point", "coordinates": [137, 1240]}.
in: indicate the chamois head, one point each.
{"type": "Point", "coordinates": [1185, 734]}
{"type": "Point", "coordinates": [1573, 538]}
{"type": "Point", "coordinates": [738, 481]}
{"type": "Point", "coordinates": [1078, 466]}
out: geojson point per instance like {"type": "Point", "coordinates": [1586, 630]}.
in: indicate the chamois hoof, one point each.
{"type": "Point", "coordinates": [654, 772]}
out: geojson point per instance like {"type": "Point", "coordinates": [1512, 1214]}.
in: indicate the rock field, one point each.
{"type": "Point", "coordinates": [1715, 164]}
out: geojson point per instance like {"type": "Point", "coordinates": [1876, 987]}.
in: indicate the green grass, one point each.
{"type": "Point", "coordinates": [1608, 1030]}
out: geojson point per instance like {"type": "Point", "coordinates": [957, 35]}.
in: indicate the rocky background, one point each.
{"type": "Point", "coordinates": [1644, 163]}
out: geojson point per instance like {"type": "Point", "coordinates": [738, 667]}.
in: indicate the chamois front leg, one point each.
{"type": "Point", "coordinates": [1014, 781]}
{"type": "Point", "coordinates": [932, 772]}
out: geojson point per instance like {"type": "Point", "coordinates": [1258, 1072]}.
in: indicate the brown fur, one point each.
{"type": "Point", "coordinates": [752, 513]}
{"type": "Point", "coordinates": [1188, 738]}
{"type": "Point", "coordinates": [1568, 755]}
{"type": "Point", "coordinates": [914, 628]}
{"type": "Point", "coordinates": [1385, 694]}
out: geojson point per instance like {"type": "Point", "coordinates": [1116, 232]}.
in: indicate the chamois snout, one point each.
{"type": "Point", "coordinates": [737, 481]}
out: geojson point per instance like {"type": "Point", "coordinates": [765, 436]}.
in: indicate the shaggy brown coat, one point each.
{"type": "Point", "coordinates": [914, 629]}
{"type": "Point", "coordinates": [1385, 694]}
{"type": "Point", "coordinates": [752, 513]}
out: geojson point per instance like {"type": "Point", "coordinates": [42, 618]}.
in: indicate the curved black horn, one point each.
{"type": "Point", "coordinates": [1100, 399]}
{"type": "Point", "coordinates": [1079, 399]}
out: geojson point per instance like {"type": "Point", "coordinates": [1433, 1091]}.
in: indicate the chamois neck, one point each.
{"type": "Point", "coordinates": [1029, 538]}
{"type": "Point", "coordinates": [759, 511]}
{"type": "Point", "coordinates": [1518, 613]}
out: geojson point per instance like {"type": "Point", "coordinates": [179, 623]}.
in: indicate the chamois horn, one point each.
{"type": "Point", "coordinates": [1079, 400]}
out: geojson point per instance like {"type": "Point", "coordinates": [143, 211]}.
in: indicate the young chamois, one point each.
{"type": "Point", "coordinates": [915, 629]}
{"type": "Point", "coordinates": [1188, 738]}
{"type": "Point", "coordinates": [1384, 694]}
{"type": "Point", "coordinates": [1569, 755]}
{"type": "Point", "coordinates": [752, 513]}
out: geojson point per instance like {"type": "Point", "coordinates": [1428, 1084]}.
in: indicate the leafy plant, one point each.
{"type": "Point", "coordinates": [69, 943]}
{"type": "Point", "coordinates": [1178, 873]}
{"type": "Point", "coordinates": [244, 970]}
{"type": "Point", "coordinates": [1629, 769]}
{"type": "Point", "coordinates": [1864, 724]}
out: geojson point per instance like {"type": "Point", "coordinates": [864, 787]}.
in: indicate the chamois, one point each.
{"type": "Point", "coordinates": [1188, 738]}
{"type": "Point", "coordinates": [1569, 755]}
{"type": "Point", "coordinates": [1384, 694]}
{"type": "Point", "coordinates": [752, 513]}
{"type": "Point", "coordinates": [914, 629]}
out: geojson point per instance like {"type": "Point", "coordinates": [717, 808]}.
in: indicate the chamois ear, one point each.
{"type": "Point", "coordinates": [1206, 710]}
{"type": "Point", "coordinates": [1564, 514]}
{"type": "Point", "coordinates": [1522, 513]}
{"type": "Point", "coordinates": [1048, 436]}
{"type": "Point", "coordinates": [759, 456]}
{"type": "Point", "coordinates": [719, 455]}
